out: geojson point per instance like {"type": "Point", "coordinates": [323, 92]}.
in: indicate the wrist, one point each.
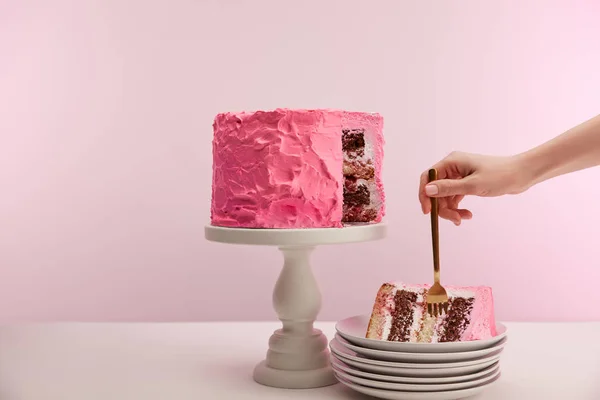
{"type": "Point", "coordinates": [531, 167]}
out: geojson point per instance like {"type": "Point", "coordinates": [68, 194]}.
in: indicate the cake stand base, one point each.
{"type": "Point", "coordinates": [285, 379]}
{"type": "Point", "coordinates": [298, 357]}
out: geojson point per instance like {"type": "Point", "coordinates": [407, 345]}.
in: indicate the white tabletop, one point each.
{"type": "Point", "coordinates": [215, 361]}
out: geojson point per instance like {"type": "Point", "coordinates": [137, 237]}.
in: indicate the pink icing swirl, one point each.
{"type": "Point", "coordinates": [277, 169]}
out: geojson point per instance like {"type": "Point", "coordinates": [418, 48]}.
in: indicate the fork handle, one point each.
{"type": "Point", "coordinates": [435, 237]}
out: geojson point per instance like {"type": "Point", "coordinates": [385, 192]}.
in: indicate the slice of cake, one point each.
{"type": "Point", "coordinates": [400, 314]}
{"type": "Point", "coordinates": [297, 169]}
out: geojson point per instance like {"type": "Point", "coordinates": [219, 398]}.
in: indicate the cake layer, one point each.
{"type": "Point", "coordinates": [400, 314]}
{"type": "Point", "coordinates": [359, 177]}
{"type": "Point", "coordinates": [297, 169]}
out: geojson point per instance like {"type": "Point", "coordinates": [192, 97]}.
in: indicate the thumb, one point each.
{"type": "Point", "coordinates": [450, 187]}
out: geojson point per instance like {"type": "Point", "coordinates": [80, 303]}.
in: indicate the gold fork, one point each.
{"type": "Point", "coordinates": [437, 298]}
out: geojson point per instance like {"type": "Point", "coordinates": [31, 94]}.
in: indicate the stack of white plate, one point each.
{"type": "Point", "coordinates": [406, 371]}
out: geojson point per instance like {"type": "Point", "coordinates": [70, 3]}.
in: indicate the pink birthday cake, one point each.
{"type": "Point", "coordinates": [297, 169]}
{"type": "Point", "coordinates": [400, 314]}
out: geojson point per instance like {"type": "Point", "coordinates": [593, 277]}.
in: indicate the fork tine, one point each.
{"type": "Point", "coordinates": [438, 309]}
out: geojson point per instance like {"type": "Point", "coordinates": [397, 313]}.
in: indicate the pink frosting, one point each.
{"type": "Point", "coordinates": [483, 321]}
{"type": "Point", "coordinates": [283, 168]}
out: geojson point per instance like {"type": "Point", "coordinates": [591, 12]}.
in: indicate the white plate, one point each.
{"type": "Point", "coordinates": [417, 373]}
{"type": "Point", "coordinates": [354, 330]}
{"type": "Point", "coordinates": [396, 395]}
{"type": "Point", "coordinates": [411, 387]}
{"type": "Point", "coordinates": [345, 352]}
{"type": "Point", "coordinates": [419, 357]}
{"type": "Point", "coordinates": [357, 362]}
{"type": "Point", "coordinates": [336, 363]}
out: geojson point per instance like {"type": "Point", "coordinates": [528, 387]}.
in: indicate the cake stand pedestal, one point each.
{"type": "Point", "coordinates": [298, 357]}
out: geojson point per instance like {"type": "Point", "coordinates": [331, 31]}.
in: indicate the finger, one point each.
{"type": "Point", "coordinates": [454, 201]}
{"type": "Point", "coordinates": [465, 214]}
{"type": "Point", "coordinates": [450, 187]}
{"type": "Point", "coordinates": [441, 167]}
{"type": "Point", "coordinates": [423, 198]}
{"type": "Point", "coordinates": [450, 215]}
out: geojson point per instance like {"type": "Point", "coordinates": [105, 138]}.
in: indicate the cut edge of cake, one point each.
{"type": "Point", "coordinates": [362, 147]}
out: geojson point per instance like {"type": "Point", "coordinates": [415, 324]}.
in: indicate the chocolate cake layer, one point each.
{"type": "Point", "coordinates": [456, 321]}
{"type": "Point", "coordinates": [402, 316]}
{"type": "Point", "coordinates": [353, 142]}
{"type": "Point", "coordinates": [359, 197]}
{"type": "Point", "coordinates": [353, 139]}
{"type": "Point", "coordinates": [359, 214]}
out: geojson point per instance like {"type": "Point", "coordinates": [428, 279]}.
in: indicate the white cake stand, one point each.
{"type": "Point", "coordinates": [298, 357]}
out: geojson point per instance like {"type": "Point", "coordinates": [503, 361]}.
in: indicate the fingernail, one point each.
{"type": "Point", "coordinates": [431, 190]}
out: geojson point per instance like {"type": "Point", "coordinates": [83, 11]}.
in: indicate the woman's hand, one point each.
{"type": "Point", "coordinates": [462, 174]}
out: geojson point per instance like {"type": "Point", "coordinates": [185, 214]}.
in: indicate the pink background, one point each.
{"type": "Point", "coordinates": [105, 153]}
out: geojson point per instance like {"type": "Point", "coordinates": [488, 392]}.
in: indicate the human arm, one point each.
{"type": "Point", "coordinates": [462, 174]}
{"type": "Point", "coordinates": [576, 149]}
